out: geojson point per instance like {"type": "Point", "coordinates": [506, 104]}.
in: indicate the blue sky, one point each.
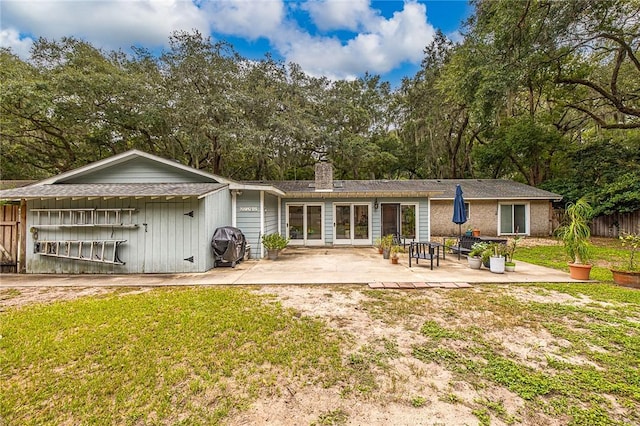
{"type": "Point", "coordinates": [334, 38]}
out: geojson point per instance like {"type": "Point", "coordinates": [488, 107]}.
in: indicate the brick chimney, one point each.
{"type": "Point", "coordinates": [324, 176]}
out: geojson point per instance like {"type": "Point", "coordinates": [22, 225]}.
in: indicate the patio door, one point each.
{"type": "Point", "coordinates": [304, 224]}
{"type": "Point", "coordinates": [399, 219]}
{"type": "Point", "coordinates": [352, 224]}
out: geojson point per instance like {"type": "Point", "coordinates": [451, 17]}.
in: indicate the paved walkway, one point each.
{"type": "Point", "coordinates": [308, 266]}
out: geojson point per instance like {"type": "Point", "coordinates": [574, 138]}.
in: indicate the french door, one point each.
{"type": "Point", "coordinates": [304, 224]}
{"type": "Point", "coordinates": [352, 224]}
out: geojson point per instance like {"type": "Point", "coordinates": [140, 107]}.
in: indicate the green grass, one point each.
{"type": "Point", "coordinates": [606, 252]}
{"type": "Point", "coordinates": [168, 356]}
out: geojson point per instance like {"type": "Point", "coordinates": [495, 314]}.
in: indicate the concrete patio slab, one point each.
{"type": "Point", "coordinates": [309, 266]}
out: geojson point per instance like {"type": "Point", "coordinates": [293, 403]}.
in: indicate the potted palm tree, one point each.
{"type": "Point", "coordinates": [274, 243]}
{"type": "Point", "coordinates": [628, 275]}
{"type": "Point", "coordinates": [575, 235]}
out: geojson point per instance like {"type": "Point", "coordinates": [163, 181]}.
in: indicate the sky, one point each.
{"type": "Point", "coordinates": [339, 39]}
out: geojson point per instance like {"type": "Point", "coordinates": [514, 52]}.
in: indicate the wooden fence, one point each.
{"type": "Point", "coordinates": [615, 224]}
{"type": "Point", "coordinates": [610, 226]}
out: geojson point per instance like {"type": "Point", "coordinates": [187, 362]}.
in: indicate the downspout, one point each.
{"type": "Point", "coordinates": [261, 223]}
{"type": "Point", "coordinates": [234, 205]}
{"type": "Point", "coordinates": [428, 219]}
{"type": "Point", "coordinates": [279, 215]}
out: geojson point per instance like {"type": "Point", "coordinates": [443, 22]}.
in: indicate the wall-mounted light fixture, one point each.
{"type": "Point", "coordinates": [375, 204]}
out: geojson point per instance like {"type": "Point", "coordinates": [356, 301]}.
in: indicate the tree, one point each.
{"type": "Point", "coordinates": [435, 126]}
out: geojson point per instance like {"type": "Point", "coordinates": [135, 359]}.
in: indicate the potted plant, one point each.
{"type": "Point", "coordinates": [476, 231]}
{"type": "Point", "coordinates": [387, 242]}
{"type": "Point", "coordinates": [474, 258]}
{"type": "Point", "coordinates": [274, 243]}
{"type": "Point", "coordinates": [497, 259]}
{"type": "Point", "coordinates": [509, 264]}
{"type": "Point", "coordinates": [395, 253]}
{"type": "Point", "coordinates": [575, 236]}
{"type": "Point", "coordinates": [378, 244]}
{"type": "Point", "coordinates": [489, 251]}
{"type": "Point", "coordinates": [629, 275]}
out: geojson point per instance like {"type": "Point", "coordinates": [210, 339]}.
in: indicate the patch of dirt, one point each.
{"type": "Point", "coordinates": [10, 297]}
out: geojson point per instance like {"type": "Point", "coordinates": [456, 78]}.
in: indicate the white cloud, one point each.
{"type": "Point", "coordinates": [379, 44]}
{"type": "Point", "coordinates": [10, 38]}
{"type": "Point", "coordinates": [246, 18]}
{"type": "Point", "coordinates": [351, 15]}
{"type": "Point", "coordinates": [386, 44]}
{"type": "Point", "coordinates": [109, 24]}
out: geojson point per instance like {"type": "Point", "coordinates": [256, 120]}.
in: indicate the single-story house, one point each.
{"type": "Point", "coordinates": [140, 213]}
{"type": "Point", "coordinates": [495, 207]}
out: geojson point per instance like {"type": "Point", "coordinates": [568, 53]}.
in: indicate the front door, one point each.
{"type": "Point", "coordinates": [352, 224]}
{"type": "Point", "coordinates": [304, 224]}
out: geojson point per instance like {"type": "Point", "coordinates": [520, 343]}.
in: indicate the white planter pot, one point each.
{"type": "Point", "coordinates": [510, 268]}
{"type": "Point", "coordinates": [474, 262]}
{"type": "Point", "coordinates": [496, 265]}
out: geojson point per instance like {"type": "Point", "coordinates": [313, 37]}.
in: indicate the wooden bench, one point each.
{"type": "Point", "coordinates": [425, 251]}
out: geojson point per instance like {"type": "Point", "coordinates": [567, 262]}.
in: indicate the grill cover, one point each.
{"type": "Point", "coordinates": [228, 245]}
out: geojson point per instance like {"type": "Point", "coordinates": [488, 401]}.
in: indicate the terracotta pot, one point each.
{"type": "Point", "coordinates": [626, 278]}
{"type": "Point", "coordinates": [579, 272]}
{"type": "Point", "coordinates": [476, 232]}
{"type": "Point", "coordinates": [394, 260]}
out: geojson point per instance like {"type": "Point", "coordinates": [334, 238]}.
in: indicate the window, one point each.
{"type": "Point", "coordinates": [514, 218]}
{"type": "Point", "coordinates": [467, 210]}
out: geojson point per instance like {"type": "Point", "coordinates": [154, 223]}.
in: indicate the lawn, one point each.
{"type": "Point", "coordinates": [553, 354]}
{"type": "Point", "coordinates": [168, 356]}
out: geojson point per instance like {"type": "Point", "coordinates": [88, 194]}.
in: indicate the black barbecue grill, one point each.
{"type": "Point", "coordinates": [229, 245]}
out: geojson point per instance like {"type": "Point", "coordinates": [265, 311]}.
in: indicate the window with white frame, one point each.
{"type": "Point", "coordinates": [514, 218]}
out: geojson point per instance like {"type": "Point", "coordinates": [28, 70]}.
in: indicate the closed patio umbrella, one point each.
{"type": "Point", "coordinates": [459, 213]}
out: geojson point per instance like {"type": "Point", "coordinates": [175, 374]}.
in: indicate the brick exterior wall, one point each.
{"type": "Point", "coordinates": [484, 215]}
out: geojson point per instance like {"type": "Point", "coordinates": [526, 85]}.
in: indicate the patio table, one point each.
{"type": "Point", "coordinates": [428, 250]}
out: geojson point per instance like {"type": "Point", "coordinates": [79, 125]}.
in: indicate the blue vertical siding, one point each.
{"type": "Point", "coordinates": [248, 219]}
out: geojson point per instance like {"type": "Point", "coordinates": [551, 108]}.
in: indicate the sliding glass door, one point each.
{"type": "Point", "coordinates": [399, 219]}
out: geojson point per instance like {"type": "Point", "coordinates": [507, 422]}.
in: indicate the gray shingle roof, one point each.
{"type": "Point", "coordinates": [491, 189]}
{"type": "Point", "coordinates": [406, 188]}
{"type": "Point", "coordinates": [112, 190]}
{"type": "Point", "coordinates": [438, 189]}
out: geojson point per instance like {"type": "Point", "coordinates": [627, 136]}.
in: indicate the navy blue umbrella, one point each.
{"type": "Point", "coordinates": [459, 213]}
